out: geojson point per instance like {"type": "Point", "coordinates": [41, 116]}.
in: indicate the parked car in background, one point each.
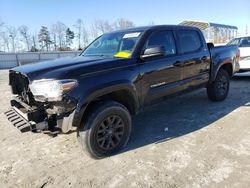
{"type": "Point", "coordinates": [244, 46]}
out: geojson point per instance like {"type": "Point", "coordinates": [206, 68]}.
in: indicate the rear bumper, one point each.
{"type": "Point", "coordinates": [36, 120]}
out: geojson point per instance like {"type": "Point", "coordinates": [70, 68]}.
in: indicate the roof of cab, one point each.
{"type": "Point", "coordinates": [145, 28]}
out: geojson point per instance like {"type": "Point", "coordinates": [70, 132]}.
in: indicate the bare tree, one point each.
{"type": "Point", "coordinates": [82, 34]}
{"type": "Point", "coordinates": [2, 44]}
{"type": "Point", "coordinates": [53, 33]}
{"type": "Point", "coordinates": [103, 26]}
{"type": "Point", "coordinates": [12, 31]}
{"type": "Point", "coordinates": [85, 37]}
{"type": "Point", "coordinates": [122, 23]}
{"type": "Point", "coordinates": [34, 43]}
{"type": "Point", "coordinates": [60, 30]}
{"type": "Point", "coordinates": [6, 40]}
{"type": "Point", "coordinates": [24, 33]}
{"type": "Point", "coordinates": [93, 31]}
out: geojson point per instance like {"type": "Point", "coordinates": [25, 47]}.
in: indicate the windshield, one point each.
{"type": "Point", "coordinates": [120, 44]}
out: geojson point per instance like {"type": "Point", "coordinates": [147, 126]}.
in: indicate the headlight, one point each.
{"type": "Point", "coordinates": [51, 90]}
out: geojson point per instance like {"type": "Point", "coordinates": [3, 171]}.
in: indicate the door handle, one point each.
{"type": "Point", "coordinates": [178, 64]}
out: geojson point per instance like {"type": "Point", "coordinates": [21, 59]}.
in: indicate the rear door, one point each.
{"type": "Point", "coordinates": [195, 58]}
{"type": "Point", "coordinates": [160, 75]}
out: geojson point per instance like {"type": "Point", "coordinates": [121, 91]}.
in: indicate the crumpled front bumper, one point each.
{"type": "Point", "coordinates": [36, 120]}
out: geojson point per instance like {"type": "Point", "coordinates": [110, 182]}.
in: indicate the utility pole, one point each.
{"type": "Point", "coordinates": [246, 29]}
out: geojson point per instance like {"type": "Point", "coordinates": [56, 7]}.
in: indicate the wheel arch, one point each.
{"type": "Point", "coordinates": [124, 94]}
{"type": "Point", "coordinates": [228, 66]}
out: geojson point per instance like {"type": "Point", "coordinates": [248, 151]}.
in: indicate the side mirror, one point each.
{"type": "Point", "coordinates": [210, 45]}
{"type": "Point", "coordinates": [153, 52]}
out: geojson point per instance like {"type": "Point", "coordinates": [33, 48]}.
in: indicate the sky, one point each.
{"type": "Point", "coordinates": [35, 13]}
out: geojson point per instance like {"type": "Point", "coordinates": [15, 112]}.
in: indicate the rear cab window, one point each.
{"type": "Point", "coordinates": [189, 41]}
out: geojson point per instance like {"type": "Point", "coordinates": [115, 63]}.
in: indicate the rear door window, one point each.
{"type": "Point", "coordinates": [189, 41]}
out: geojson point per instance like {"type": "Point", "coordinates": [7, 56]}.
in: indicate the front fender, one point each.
{"type": "Point", "coordinates": [95, 93]}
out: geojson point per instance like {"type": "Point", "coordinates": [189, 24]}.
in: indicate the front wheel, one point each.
{"type": "Point", "coordinates": [218, 90]}
{"type": "Point", "coordinates": [108, 130]}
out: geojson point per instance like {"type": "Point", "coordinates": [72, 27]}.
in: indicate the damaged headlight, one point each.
{"type": "Point", "coordinates": [51, 90]}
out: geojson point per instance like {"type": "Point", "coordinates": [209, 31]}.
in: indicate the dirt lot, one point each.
{"type": "Point", "coordinates": [186, 141]}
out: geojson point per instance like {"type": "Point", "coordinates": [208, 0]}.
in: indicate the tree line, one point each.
{"type": "Point", "coordinates": [56, 37]}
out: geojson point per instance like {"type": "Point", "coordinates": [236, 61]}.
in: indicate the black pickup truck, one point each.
{"type": "Point", "coordinates": [118, 74]}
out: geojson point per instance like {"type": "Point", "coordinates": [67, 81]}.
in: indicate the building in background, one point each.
{"type": "Point", "coordinates": [213, 32]}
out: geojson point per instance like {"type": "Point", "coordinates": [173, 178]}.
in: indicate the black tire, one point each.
{"type": "Point", "coordinates": [107, 130]}
{"type": "Point", "coordinates": [218, 90]}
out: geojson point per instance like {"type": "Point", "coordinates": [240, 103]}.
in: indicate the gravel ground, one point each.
{"type": "Point", "coordinates": [186, 141]}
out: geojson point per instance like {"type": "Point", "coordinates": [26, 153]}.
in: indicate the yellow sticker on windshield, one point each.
{"type": "Point", "coordinates": [123, 54]}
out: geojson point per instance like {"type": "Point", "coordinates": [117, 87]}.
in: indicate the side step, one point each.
{"type": "Point", "coordinates": [18, 120]}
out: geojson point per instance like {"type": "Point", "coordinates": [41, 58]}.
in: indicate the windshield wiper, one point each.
{"type": "Point", "coordinates": [99, 55]}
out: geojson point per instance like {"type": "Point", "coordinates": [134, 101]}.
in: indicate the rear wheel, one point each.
{"type": "Point", "coordinates": [218, 90]}
{"type": "Point", "coordinates": [108, 130]}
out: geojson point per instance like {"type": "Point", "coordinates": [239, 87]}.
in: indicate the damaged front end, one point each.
{"type": "Point", "coordinates": [41, 105]}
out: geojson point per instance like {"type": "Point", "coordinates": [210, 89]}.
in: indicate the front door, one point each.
{"type": "Point", "coordinates": [160, 75]}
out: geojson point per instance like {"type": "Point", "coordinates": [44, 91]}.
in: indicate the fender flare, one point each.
{"type": "Point", "coordinates": [86, 99]}
{"type": "Point", "coordinates": [217, 68]}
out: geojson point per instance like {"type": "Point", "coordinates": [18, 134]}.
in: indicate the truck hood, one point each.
{"type": "Point", "coordinates": [67, 67]}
